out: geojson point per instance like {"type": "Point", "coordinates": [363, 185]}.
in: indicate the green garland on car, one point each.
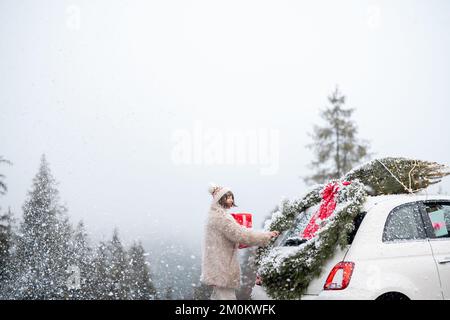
{"type": "Point", "coordinates": [288, 276]}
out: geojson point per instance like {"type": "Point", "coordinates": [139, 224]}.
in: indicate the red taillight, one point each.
{"type": "Point", "coordinates": [258, 280]}
{"type": "Point", "coordinates": [340, 276]}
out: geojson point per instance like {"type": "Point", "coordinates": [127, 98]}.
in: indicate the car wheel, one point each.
{"type": "Point", "coordinates": [392, 296]}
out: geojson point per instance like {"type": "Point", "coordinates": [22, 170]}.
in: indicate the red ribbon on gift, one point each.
{"type": "Point", "coordinates": [327, 206]}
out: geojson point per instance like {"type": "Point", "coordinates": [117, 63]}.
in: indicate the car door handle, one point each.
{"type": "Point", "coordinates": [445, 260]}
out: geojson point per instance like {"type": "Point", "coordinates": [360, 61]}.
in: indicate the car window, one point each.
{"type": "Point", "coordinates": [356, 222]}
{"type": "Point", "coordinates": [293, 236]}
{"type": "Point", "coordinates": [439, 214]}
{"type": "Point", "coordinates": [404, 223]}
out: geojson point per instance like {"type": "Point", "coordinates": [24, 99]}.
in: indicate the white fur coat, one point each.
{"type": "Point", "coordinates": [220, 265]}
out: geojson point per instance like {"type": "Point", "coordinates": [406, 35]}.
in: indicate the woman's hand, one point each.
{"type": "Point", "coordinates": [274, 234]}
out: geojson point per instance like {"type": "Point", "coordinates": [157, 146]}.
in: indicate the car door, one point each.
{"type": "Point", "coordinates": [405, 258]}
{"type": "Point", "coordinates": [436, 216]}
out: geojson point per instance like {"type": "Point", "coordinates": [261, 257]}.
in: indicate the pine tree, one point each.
{"type": "Point", "coordinates": [6, 236]}
{"type": "Point", "coordinates": [43, 242]}
{"type": "Point", "coordinates": [335, 145]}
{"type": "Point", "coordinates": [3, 186]}
{"type": "Point", "coordinates": [5, 228]}
{"type": "Point", "coordinates": [81, 265]}
{"type": "Point", "coordinates": [6, 242]}
{"type": "Point", "coordinates": [141, 285]}
{"type": "Point", "coordinates": [118, 273]}
{"type": "Point", "coordinates": [100, 278]}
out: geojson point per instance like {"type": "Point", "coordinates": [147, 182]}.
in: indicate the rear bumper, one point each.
{"type": "Point", "coordinates": [346, 294]}
{"type": "Point", "coordinates": [258, 293]}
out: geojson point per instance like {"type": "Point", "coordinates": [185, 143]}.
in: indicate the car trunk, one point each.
{"type": "Point", "coordinates": [316, 285]}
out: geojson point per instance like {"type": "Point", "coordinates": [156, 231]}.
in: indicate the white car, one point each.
{"type": "Point", "coordinates": [400, 249]}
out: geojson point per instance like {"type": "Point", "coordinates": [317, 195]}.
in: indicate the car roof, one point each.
{"type": "Point", "coordinates": [372, 201]}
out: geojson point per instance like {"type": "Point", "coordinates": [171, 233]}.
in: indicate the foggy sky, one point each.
{"type": "Point", "coordinates": [111, 90]}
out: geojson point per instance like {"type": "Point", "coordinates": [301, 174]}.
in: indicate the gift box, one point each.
{"type": "Point", "coordinates": [244, 219]}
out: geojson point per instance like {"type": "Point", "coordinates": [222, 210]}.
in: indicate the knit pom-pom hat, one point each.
{"type": "Point", "coordinates": [217, 191]}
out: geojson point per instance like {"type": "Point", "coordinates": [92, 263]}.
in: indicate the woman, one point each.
{"type": "Point", "coordinates": [220, 265]}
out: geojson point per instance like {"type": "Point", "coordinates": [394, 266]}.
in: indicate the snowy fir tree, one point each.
{"type": "Point", "coordinates": [100, 278]}
{"type": "Point", "coordinates": [43, 249]}
{"type": "Point", "coordinates": [3, 186]}
{"type": "Point", "coordinates": [110, 275]}
{"type": "Point", "coordinates": [118, 272]}
{"type": "Point", "coordinates": [80, 266]}
{"type": "Point", "coordinates": [335, 145]}
{"type": "Point", "coordinates": [6, 240]}
{"type": "Point", "coordinates": [6, 237]}
{"type": "Point", "coordinates": [141, 286]}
